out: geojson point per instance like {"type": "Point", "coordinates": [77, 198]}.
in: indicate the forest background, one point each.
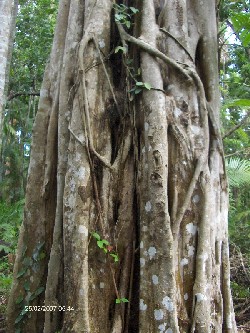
{"type": "Point", "coordinates": [33, 39]}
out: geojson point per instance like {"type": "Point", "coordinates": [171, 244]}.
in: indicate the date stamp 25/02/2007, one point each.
{"type": "Point", "coordinates": [48, 308]}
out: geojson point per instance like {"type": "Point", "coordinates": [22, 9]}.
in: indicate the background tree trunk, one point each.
{"type": "Point", "coordinates": [8, 11]}
{"type": "Point", "coordinates": [144, 171]}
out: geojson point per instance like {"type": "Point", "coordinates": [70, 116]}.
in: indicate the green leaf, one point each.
{"type": "Point", "coordinates": [26, 285]}
{"type": "Point", "coordinates": [42, 255]}
{"type": "Point", "coordinates": [147, 85]}
{"type": "Point", "coordinates": [134, 10]}
{"type": "Point", "coordinates": [105, 242]}
{"type": "Point", "coordinates": [27, 262]}
{"type": "Point", "coordinates": [128, 24]}
{"type": "Point", "coordinates": [237, 102]}
{"type": "Point", "coordinates": [121, 300]}
{"type": "Point", "coordinates": [24, 250]}
{"type": "Point", "coordinates": [115, 256]}
{"type": "Point", "coordinates": [118, 48]}
{"type": "Point", "coordinates": [124, 300]}
{"type": "Point", "coordinates": [21, 272]}
{"type": "Point", "coordinates": [118, 17]}
{"type": "Point", "coordinates": [96, 235]}
{"type": "Point", "coordinates": [36, 293]}
{"type": "Point", "coordinates": [140, 84]}
{"type": "Point", "coordinates": [100, 244]}
{"type": "Point", "coordinates": [19, 299]}
{"type": "Point", "coordinates": [19, 318]}
{"type": "Point", "coordinates": [137, 91]}
{"type": "Point", "coordinates": [40, 245]}
{"type": "Point", "coordinates": [39, 291]}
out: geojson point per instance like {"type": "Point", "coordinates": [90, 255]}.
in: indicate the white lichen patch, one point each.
{"type": "Point", "coordinates": [78, 157]}
{"type": "Point", "coordinates": [146, 126]}
{"type": "Point", "coordinates": [200, 297]}
{"type": "Point", "coordinates": [169, 330]}
{"type": "Point", "coordinates": [81, 138]}
{"type": "Point", "coordinates": [155, 279]}
{"type": "Point", "coordinates": [196, 198]}
{"type": "Point", "coordinates": [144, 228]}
{"type": "Point", "coordinates": [151, 252]}
{"type": "Point", "coordinates": [184, 262]}
{"type": "Point", "coordinates": [191, 228]}
{"type": "Point", "coordinates": [101, 285]}
{"type": "Point", "coordinates": [101, 43]}
{"type": "Point", "coordinates": [71, 201]}
{"type": "Point", "coordinates": [162, 327]}
{"type": "Point", "coordinates": [168, 303]}
{"type": "Point", "coordinates": [142, 262]}
{"type": "Point", "coordinates": [191, 250]}
{"type": "Point", "coordinates": [83, 230]}
{"type": "Point", "coordinates": [44, 93]}
{"type": "Point", "coordinates": [141, 245]}
{"type": "Point", "coordinates": [143, 150]}
{"type": "Point", "coordinates": [81, 173]}
{"type": "Point", "coordinates": [143, 306]}
{"type": "Point", "coordinates": [148, 207]}
{"type": "Point", "coordinates": [195, 129]}
{"type": "Point", "coordinates": [186, 297]}
{"type": "Point", "coordinates": [177, 112]}
{"type": "Point", "coordinates": [158, 314]}
{"type": "Point", "coordinates": [72, 185]}
{"type": "Point", "coordinates": [81, 292]}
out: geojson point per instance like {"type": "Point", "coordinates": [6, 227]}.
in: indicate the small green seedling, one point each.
{"type": "Point", "coordinates": [124, 14]}
{"type": "Point", "coordinates": [121, 300]}
{"type": "Point", "coordinates": [105, 246]}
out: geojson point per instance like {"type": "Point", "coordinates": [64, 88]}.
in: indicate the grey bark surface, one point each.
{"type": "Point", "coordinates": [147, 174]}
{"type": "Point", "coordinates": [8, 11]}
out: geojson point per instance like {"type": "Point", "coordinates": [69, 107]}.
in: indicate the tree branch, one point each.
{"type": "Point", "coordinates": [14, 95]}
{"type": "Point", "coordinates": [152, 50]}
{"type": "Point", "coordinates": [242, 122]}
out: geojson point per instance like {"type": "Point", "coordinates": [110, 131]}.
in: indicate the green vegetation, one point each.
{"type": "Point", "coordinates": [33, 40]}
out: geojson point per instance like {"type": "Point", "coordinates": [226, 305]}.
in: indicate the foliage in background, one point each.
{"type": "Point", "coordinates": [33, 40]}
{"type": "Point", "coordinates": [234, 55]}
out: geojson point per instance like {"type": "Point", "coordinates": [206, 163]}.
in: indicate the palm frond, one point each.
{"type": "Point", "coordinates": [238, 171]}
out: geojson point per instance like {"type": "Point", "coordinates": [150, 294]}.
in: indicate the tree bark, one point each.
{"type": "Point", "coordinates": [8, 10]}
{"type": "Point", "coordinates": [135, 176]}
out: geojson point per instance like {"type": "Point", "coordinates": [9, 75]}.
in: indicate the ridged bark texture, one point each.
{"type": "Point", "coordinates": [143, 171]}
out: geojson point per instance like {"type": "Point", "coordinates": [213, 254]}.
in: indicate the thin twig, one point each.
{"type": "Point", "coordinates": [242, 122]}
{"type": "Point", "coordinates": [14, 95]}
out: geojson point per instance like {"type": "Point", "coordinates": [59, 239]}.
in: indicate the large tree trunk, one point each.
{"type": "Point", "coordinates": [144, 171]}
{"type": "Point", "coordinates": [8, 11]}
